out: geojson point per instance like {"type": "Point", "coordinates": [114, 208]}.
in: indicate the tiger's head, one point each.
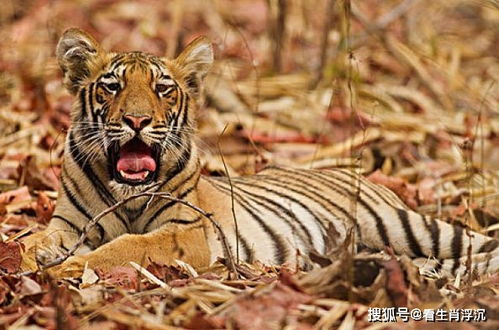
{"type": "Point", "coordinates": [133, 115]}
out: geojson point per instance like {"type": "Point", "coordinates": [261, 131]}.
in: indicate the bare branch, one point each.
{"type": "Point", "coordinates": [232, 206]}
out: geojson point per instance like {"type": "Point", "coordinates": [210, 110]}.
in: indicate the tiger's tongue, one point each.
{"type": "Point", "coordinates": [135, 156]}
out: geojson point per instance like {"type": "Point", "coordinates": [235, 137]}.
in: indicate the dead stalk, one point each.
{"type": "Point", "coordinates": [174, 38]}
{"type": "Point", "coordinates": [347, 14]}
{"type": "Point", "coordinates": [328, 23]}
{"type": "Point", "coordinates": [257, 83]}
{"type": "Point", "coordinates": [468, 159]}
{"type": "Point", "coordinates": [278, 25]}
{"type": "Point", "coordinates": [232, 205]}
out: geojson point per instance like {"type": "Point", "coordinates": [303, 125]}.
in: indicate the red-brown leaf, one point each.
{"type": "Point", "coordinates": [407, 192]}
{"type": "Point", "coordinates": [125, 277]}
{"type": "Point", "coordinates": [10, 256]}
{"type": "Point", "coordinates": [44, 208]}
{"type": "Point", "coordinates": [395, 285]}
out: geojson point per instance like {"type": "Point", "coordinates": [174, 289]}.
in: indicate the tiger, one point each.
{"type": "Point", "coordinates": [133, 131]}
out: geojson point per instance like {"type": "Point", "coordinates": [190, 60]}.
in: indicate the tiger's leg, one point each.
{"type": "Point", "coordinates": [436, 245]}
{"type": "Point", "coordinates": [161, 246]}
{"type": "Point", "coordinates": [481, 263]}
{"type": "Point", "coordinates": [43, 247]}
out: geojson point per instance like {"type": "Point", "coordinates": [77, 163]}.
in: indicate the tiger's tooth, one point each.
{"type": "Point", "coordinates": [122, 173]}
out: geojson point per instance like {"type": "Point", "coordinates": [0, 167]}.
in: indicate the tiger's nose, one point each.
{"type": "Point", "coordinates": [137, 123]}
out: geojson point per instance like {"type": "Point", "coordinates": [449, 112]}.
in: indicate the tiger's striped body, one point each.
{"type": "Point", "coordinates": [132, 132]}
{"type": "Point", "coordinates": [291, 210]}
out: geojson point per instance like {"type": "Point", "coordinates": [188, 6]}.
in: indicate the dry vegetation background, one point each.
{"type": "Point", "coordinates": [406, 90]}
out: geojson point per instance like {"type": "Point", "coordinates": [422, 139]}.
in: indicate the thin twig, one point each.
{"type": "Point", "coordinates": [252, 63]}
{"type": "Point", "coordinates": [382, 22]}
{"type": "Point", "coordinates": [233, 208]}
{"type": "Point", "coordinates": [349, 260]}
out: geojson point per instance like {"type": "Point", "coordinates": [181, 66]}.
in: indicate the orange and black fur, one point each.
{"type": "Point", "coordinates": [132, 131]}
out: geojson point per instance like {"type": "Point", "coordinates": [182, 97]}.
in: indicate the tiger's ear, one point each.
{"type": "Point", "coordinates": [76, 52]}
{"type": "Point", "coordinates": [195, 61]}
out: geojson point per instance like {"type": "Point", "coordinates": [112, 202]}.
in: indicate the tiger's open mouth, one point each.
{"type": "Point", "coordinates": [134, 163]}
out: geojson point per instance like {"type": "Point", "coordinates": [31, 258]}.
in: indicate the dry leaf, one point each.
{"type": "Point", "coordinates": [29, 287]}
{"type": "Point", "coordinates": [10, 256]}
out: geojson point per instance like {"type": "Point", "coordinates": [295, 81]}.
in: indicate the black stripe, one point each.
{"type": "Point", "coordinates": [180, 165]}
{"type": "Point", "coordinates": [77, 190]}
{"type": "Point", "coordinates": [333, 186]}
{"type": "Point", "coordinates": [171, 203]}
{"type": "Point", "coordinates": [166, 207]}
{"type": "Point", "coordinates": [379, 191]}
{"type": "Point", "coordinates": [435, 237]}
{"type": "Point", "coordinates": [81, 209]}
{"type": "Point", "coordinates": [322, 202]}
{"type": "Point", "coordinates": [151, 73]}
{"type": "Point", "coordinates": [364, 183]}
{"type": "Point", "coordinates": [65, 248]}
{"type": "Point", "coordinates": [184, 221]}
{"type": "Point", "coordinates": [275, 208]}
{"type": "Point", "coordinates": [186, 111]}
{"type": "Point", "coordinates": [284, 186]}
{"type": "Point", "coordinates": [179, 110]}
{"type": "Point", "coordinates": [75, 202]}
{"type": "Point", "coordinates": [386, 194]}
{"type": "Point", "coordinates": [69, 223]}
{"type": "Point", "coordinates": [91, 104]}
{"type": "Point", "coordinates": [290, 215]}
{"type": "Point", "coordinates": [102, 191]}
{"type": "Point", "coordinates": [409, 234]}
{"type": "Point", "coordinates": [82, 114]}
{"type": "Point", "coordinates": [305, 186]}
{"type": "Point", "coordinates": [107, 75]}
{"type": "Point", "coordinates": [278, 243]}
{"type": "Point", "coordinates": [488, 246]}
{"type": "Point", "coordinates": [83, 102]}
{"type": "Point", "coordinates": [77, 158]}
{"type": "Point", "coordinates": [380, 226]}
{"type": "Point", "coordinates": [248, 252]}
{"type": "Point", "coordinates": [456, 246]}
{"type": "Point", "coordinates": [257, 199]}
{"type": "Point", "coordinates": [116, 62]}
{"type": "Point", "coordinates": [158, 67]}
{"type": "Point", "coordinates": [75, 228]}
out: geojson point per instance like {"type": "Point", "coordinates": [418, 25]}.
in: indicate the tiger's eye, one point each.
{"type": "Point", "coordinates": [161, 88]}
{"type": "Point", "coordinates": [113, 87]}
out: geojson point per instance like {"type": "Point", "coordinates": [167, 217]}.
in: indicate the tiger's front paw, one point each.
{"type": "Point", "coordinates": [39, 250]}
{"type": "Point", "coordinates": [72, 267]}
{"type": "Point", "coordinates": [47, 254]}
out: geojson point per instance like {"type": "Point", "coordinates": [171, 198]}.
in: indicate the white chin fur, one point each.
{"type": "Point", "coordinates": [125, 190]}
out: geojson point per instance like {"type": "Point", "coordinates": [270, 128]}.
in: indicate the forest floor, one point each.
{"type": "Point", "coordinates": [406, 91]}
